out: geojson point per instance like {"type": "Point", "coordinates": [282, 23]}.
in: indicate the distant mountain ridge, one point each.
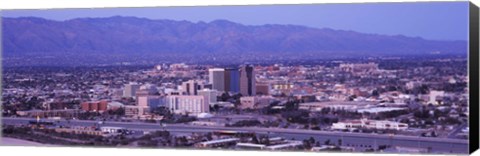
{"type": "Point", "coordinates": [132, 35]}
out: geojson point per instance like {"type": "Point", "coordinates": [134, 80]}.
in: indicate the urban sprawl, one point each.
{"type": "Point", "coordinates": [378, 105]}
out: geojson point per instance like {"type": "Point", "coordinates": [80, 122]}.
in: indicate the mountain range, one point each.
{"type": "Point", "coordinates": [132, 35]}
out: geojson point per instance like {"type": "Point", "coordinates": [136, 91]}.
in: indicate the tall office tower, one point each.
{"type": "Point", "coordinates": [232, 80]}
{"type": "Point", "coordinates": [217, 78]}
{"type": "Point", "coordinates": [130, 89]}
{"type": "Point", "coordinates": [247, 80]}
{"type": "Point", "coordinates": [190, 87]}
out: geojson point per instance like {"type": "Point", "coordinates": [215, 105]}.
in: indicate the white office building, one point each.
{"type": "Point", "coordinates": [187, 104]}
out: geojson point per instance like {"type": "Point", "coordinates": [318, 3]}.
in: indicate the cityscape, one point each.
{"type": "Point", "coordinates": [416, 102]}
{"type": "Point", "coordinates": [244, 107]}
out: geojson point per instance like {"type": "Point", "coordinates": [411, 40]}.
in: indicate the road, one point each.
{"type": "Point", "coordinates": [356, 140]}
{"type": "Point", "coordinates": [455, 131]}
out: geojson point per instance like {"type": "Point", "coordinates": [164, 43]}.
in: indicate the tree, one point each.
{"type": "Point", "coordinates": [298, 116]}
{"type": "Point", "coordinates": [265, 140]}
{"type": "Point", "coordinates": [224, 97]}
{"type": "Point", "coordinates": [375, 93]}
{"type": "Point", "coordinates": [246, 123]}
{"type": "Point", "coordinates": [291, 105]}
{"type": "Point", "coordinates": [216, 107]}
{"type": "Point", "coordinates": [327, 142]}
{"type": "Point", "coordinates": [209, 136]}
{"type": "Point", "coordinates": [307, 144]}
{"type": "Point", "coordinates": [312, 140]}
{"type": "Point", "coordinates": [382, 147]}
{"type": "Point", "coordinates": [352, 97]}
{"type": "Point", "coordinates": [119, 112]}
{"type": "Point", "coordinates": [326, 110]}
{"type": "Point", "coordinates": [255, 139]}
{"type": "Point", "coordinates": [424, 89]}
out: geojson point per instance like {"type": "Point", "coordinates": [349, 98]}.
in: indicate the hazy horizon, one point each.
{"type": "Point", "coordinates": [428, 20]}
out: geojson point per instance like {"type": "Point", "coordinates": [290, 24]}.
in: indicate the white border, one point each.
{"type": "Point", "coordinates": [81, 151]}
{"type": "Point", "coordinates": [46, 4]}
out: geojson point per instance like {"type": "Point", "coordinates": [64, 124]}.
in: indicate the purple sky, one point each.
{"type": "Point", "coordinates": [429, 20]}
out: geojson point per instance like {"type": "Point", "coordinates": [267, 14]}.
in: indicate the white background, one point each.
{"type": "Point", "coordinates": [77, 151]}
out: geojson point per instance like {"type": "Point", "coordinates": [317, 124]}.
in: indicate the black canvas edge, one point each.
{"type": "Point", "coordinates": [473, 78]}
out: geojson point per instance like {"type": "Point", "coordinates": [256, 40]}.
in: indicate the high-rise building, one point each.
{"type": "Point", "coordinates": [187, 104]}
{"type": "Point", "coordinates": [247, 80]}
{"type": "Point", "coordinates": [217, 78]}
{"type": "Point", "coordinates": [190, 87]}
{"type": "Point", "coordinates": [209, 95]}
{"type": "Point", "coordinates": [130, 90]}
{"type": "Point", "coordinates": [232, 80]}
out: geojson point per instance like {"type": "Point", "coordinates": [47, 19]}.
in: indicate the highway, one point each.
{"type": "Point", "coordinates": [455, 131]}
{"type": "Point", "coordinates": [356, 140]}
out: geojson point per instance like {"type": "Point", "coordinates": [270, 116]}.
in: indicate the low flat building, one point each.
{"type": "Point", "coordinates": [64, 113]}
{"type": "Point", "coordinates": [205, 123]}
{"type": "Point", "coordinates": [254, 102]}
{"type": "Point", "coordinates": [290, 144]}
{"type": "Point", "coordinates": [248, 102]}
{"type": "Point", "coordinates": [376, 110]}
{"type": "Point", "coordinates": [275, 144]}
{"type": "Point", "coordinates": [137, 111]}
{"type": "Point", "coordinates": [250, 146]}
{"type": "Point", "coordinates": [330, 147]}
{"type": "Point", "coordinates": [338, 105]}
{"type": "Point", "coordinates": [400, 149]}
{"type": "Point", "coordinates": [369, 124]}
{"type": "Point", "coordinates": [114, 105]}
{"type": "Point", "coordinates": [218, 143]}
{"type": "Point", "coordinates": [262, 89]}
{"type": "Point", "coordinates": [80, 130]}
{"type": "Point", "coordinates": [112, 130]}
